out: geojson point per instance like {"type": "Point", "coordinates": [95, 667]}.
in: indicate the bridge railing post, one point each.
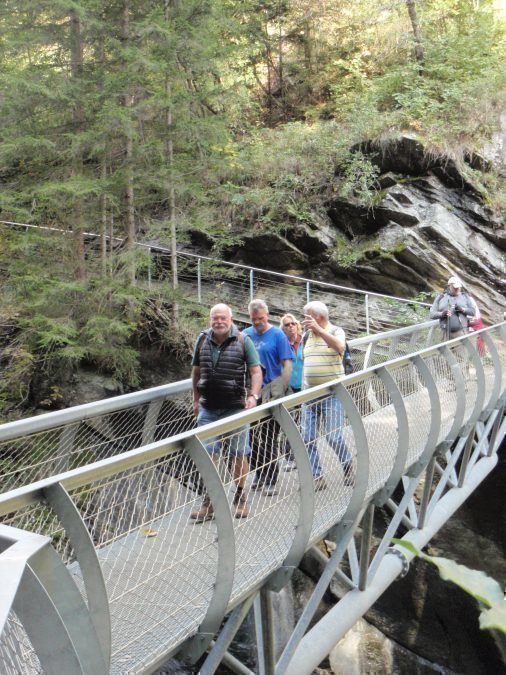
{"type": "Point", "coordinates": [251, 285]}
{"type": "Point", "coordinates": [199, 281]}
{"type": "Point", "coordinates": [367, 324]}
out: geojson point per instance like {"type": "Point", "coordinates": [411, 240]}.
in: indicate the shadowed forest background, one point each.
{"type": "Point", "coordinates": [174, 122]}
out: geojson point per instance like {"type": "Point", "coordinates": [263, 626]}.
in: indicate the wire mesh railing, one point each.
{"type": "Point", "coordinates": [208, 281]}
{"type": "Point", "coordinates": [167, 574]}
{"type": "Point", "coordinates": [85, 434]}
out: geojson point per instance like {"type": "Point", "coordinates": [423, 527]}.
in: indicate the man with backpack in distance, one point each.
{"type": "Point", "coordinates": [324, 347]}
{"type": "Point", "coordinates": [453, 308]}
{"type": "Point", "coordinates": [220, 362]}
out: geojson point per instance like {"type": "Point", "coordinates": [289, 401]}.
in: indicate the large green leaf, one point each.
{"type": "Point", "coordinates": [494, 618]}
{"type": "Point", "coordinates": [476, 583]}
{"type": "Point", "coordinates": [482, 587]}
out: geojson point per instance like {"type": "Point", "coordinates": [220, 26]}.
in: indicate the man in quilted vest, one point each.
{"type": "Point", "coordinates": [221, 359]}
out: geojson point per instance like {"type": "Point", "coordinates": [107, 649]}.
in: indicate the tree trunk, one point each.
{"type": "Point", "coordinates": [171, 189]}
{"type": "Point", "coordinates": [103, 225]}
{"type": "Point", "coordinates": [76, 65]}
{"type": "Point", "coordinates": [128, 101]}
{"type": "Point", "coordinates": [411, 5]}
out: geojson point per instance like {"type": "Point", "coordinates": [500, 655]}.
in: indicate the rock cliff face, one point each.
{"type": "Point", "coordinates": [429, 222]}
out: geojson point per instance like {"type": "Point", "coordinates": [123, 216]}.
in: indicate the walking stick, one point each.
{"type": "Point", "coordinates": [448, 320]}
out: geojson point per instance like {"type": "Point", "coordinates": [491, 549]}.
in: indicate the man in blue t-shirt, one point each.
{"type": "Point", "coordinates": [276, 358]}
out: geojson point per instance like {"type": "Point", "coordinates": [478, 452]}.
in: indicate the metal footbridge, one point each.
{"type": "Point", "coordinates": [103, 570]}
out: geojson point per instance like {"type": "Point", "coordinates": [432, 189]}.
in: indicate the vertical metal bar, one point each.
{"type": "Point", "coordinates": [199, 282]}
{"type": "Point", "coordinates": [365, 546]}
{"type": "Point", "coordinates": [220, 646]}
{"type": "Point", "coordinates": [259, 634]}
{"type": "Point", "coordinates": [393, 348]}
{"type": "Point", "coordinates": [308, 291]}
{"type": "Point", "coordinates": [367, 326]}
{"type": "Point", "coordinates": [269, 639]}
{"type": "Point", "coordinates": [353, 562]}
{"type": "Point", "coordinates": [149, 428]}
{"type": "Point", "coordinates": [343, 538]}
{"type": "Point", "coordinates": [430, 336]}
{"type": "Point", "coordinates": [149, 268]}
{"type": "Point", "coordinates": [495, 431]}
{"type": "Point", "coordinates": [429, 475]}
{"type": "Point", "coordinates": [465, 457]}
{"type": "Point", "coordinates": [65, 447]}
{"type": "Point", "coordinates": [367, 356]}
{"type": "Point", "coordinates": [251, 285]}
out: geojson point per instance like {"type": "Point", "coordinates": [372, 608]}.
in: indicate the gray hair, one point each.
{"type": "Point", "coordinates": [318, 308]}
{"type": "Point", "coordinates": [221, 306]}
{"type": "Point", "coordinates": [257, 305]}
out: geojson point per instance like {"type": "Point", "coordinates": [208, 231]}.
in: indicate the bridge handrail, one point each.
{"type": "Point", "coordinates": [50, 420]}
{"type": "Point", "coordinates": [104, 468]}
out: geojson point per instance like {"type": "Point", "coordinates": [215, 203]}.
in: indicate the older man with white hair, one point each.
{"type": "Point", "coordinates": [222, 357]}
{"type": "Point", "coordinates": [453, 308]}
{"type": "Point", "coordinates": [324, 346]}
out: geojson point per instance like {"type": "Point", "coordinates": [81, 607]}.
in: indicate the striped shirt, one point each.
{"type": "Point", "coordinates": [321, 362]}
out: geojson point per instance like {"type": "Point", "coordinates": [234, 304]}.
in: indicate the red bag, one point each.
{"type": "Point", "coordinates": [477, 324]}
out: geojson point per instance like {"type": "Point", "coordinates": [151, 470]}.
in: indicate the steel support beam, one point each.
{"type": "Point", "coordinates": [320, 640]}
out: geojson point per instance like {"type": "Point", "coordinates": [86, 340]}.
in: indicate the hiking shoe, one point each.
{"type": "Point", "coordinates": [270, 491]}
{"type": "Point", "coordinates": [319, 484]}
{"type": "Point", "coordinates": [290, 465]}
{"type": "Point", "coordinates": [206, 512]}
{"type": "Point", "coordinates": [241, 505]}
{"type": "Point", "coordinates": [257, 485]}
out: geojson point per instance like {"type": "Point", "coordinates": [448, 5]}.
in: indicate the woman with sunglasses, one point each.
{"type": "Point", "coordinates": [293, 331]}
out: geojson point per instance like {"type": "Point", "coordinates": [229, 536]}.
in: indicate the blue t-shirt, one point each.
{"type": "Point", "coordinates": [272, 347]}
{"type": "Point", "coordinates": [297, 365]}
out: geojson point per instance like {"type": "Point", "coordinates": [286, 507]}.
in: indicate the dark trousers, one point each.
{"type": "Point", "coordinates": [264, 451]}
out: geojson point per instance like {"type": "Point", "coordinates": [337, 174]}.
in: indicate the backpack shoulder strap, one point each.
{"type": "Point", "coordinates": [200, 340]}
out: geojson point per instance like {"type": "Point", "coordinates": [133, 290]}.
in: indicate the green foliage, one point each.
{"type": "Point", "coordinates": [16, 370]}
{"type": "Point", "coordinates": [359, 179]}
{"type": "Point", "coordinates": [486, 590]}
{"type": "Point", "coordinates": [226, 117]}
{"type": "Point", "coordinates": [406, 314]}
{"type": "Point", "coordinates": [451, 98]}
{"type": "Point", "coordinates": [348, 253]}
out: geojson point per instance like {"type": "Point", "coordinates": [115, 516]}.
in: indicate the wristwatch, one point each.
{"type": "Point", "coordinates": [255, 396]}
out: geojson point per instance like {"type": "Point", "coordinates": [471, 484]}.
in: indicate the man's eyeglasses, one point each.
{"type": "Point", "coordinates": [290, 323]}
